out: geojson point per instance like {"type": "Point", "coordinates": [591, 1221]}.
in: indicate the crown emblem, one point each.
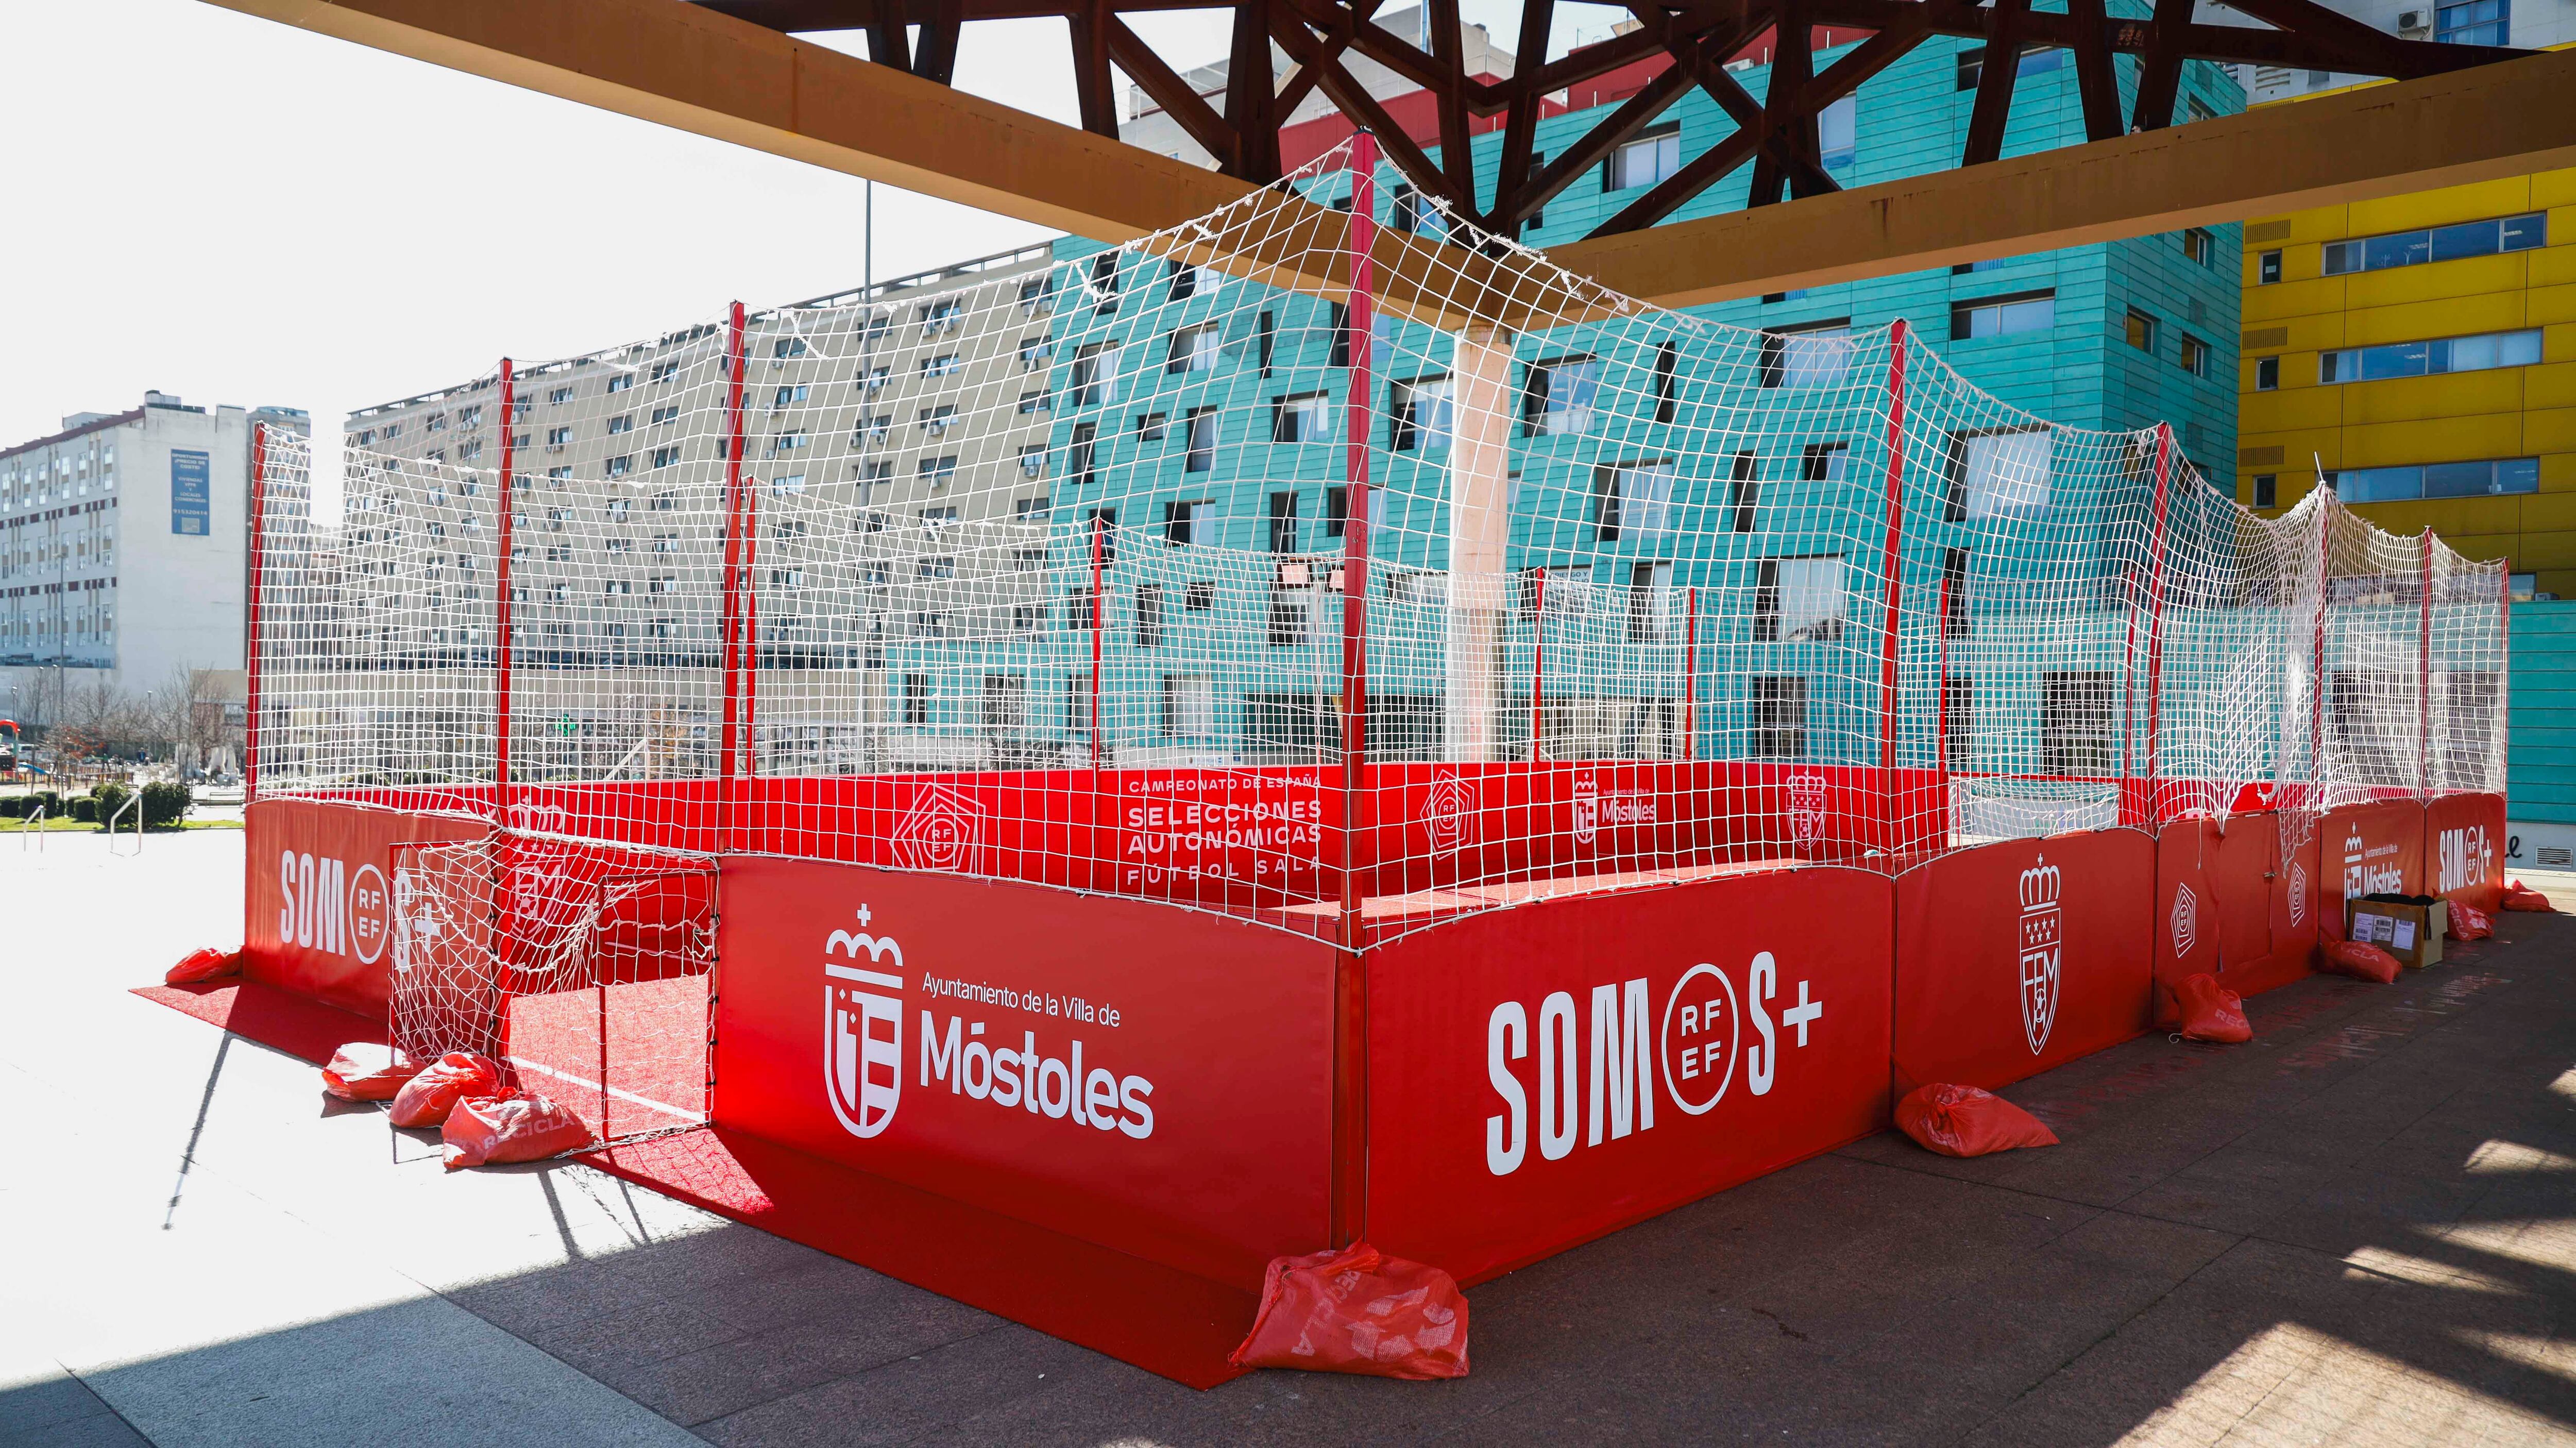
{"type": "Point", "coordinates": [2040, 886]}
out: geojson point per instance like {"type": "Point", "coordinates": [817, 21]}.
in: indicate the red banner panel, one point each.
{"type": "Point", "coordinates": [319, 916]}
{"type": "Point", "coordinates": [1541, 1075]}
{"type": "Point", "coordinates": [1149, 1078]}
{"type": "Point", "coordinates": [2182, 925]}
{"type": "Point", "coordinates": [2018, 956]}
{"type": "Point", "coordinates": [2368, 849]}
{"type": "Point", "coordinates": [2464, 841]}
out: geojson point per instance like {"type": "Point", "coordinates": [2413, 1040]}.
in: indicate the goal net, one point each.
{"type": "Point", "coordinates": [1325, 550]}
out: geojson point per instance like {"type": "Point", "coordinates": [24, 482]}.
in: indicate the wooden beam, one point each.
{"type": "Point", "coordinates": [689, 67]}
{"type": "Point", "coordinates": [2447, 130]}
{"type": "Point", "coordinates": [2000, 69]}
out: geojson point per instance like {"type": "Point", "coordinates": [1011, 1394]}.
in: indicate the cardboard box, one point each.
{"type": "Point", "coordinates": [2406, 929]}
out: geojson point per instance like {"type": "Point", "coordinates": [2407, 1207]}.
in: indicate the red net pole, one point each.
{"type": "Point", "coordinates": [729, 624]}
{"type": "Point", "coordinates": [1941, 724]}
{"type": "Point", "coordinates": [1892, 560]}
{"type": "Point", "coordinates": [2156, 612]}
{"type": "Point", "coordinates": [1690, 671]}
{"type": "Point", "coordinates": [258, 567]}
{"type": "Point", "coordinates": [501, 613]}
{"type": "Point", "coordinates": [1099, 608]}
{"type": "Point", "coordinates": [2424, 677]}
{"type": "Point", "coordinates": [1361, 237]}
{"type": "Point", "coordinates": [1350, 985]}
{"type": "Point", "coordinates": [1538, 666]}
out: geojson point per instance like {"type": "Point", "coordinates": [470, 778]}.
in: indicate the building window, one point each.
{"type": "Point", "coordinates": [1337, 511]}
{"type": "Point", "coordinates": [2140, 330]}
{"type": "Point", "coordinates": [1838, 133]}
{"type": "Point", "coordinates": [2267, 268]}
{"type": "Point", "coordinates": [1667, 363]}
{"type": "Point", "coordinates": [1149, 616]}
{"type": "Point", "coordinates": [2003, 316]}
{"type": "Point", "coordinates": [1033, 459]}
{"type": "Point", "coordinates": [2422, 359]}
{"type": "Point", "coordinates": [938, 472]}
{"type": "Point", "coordinates": [2267, 490]}
{"type": "Point", "coordinates": [1418, 414]}
{"type": "Point", "coordinates": [1079, 453]}
{"type": "Point", "coordinates": [2437, 480]}
{"type": "Point", "coordinates": [1104, 280]}
{"type": "Point", "coordinates": [1655, 154]}
{"type": "Point", "coordinates": [1292, 419]}
{"type": "Point", "coordinates": [2194, 355]}
{"type": "Point", "coordinates": [2440, 243]}
{"type": "Point", "coordinates": [1201, 426]}
{"type": "Point", "coordinates": [1283, 522]}
{"type": "Point", "coordinates": [1822, 462]}
{"type": "Point", "coordinates": [2267, 374]}
{"type": "Point", "coordinates": [1149, 426]}
{"type": "Point", "coordinates": [1953, 602]}
{"type": "Point", "coordinates": [1798, 600]}
{"type": "Point", "coordinates": [1633, 500]}
{"type": "Point", "coordinates": [1744, 493]}
{"type": "Point", "coordinates": [1194, 349]}
{"type": "Point", "coordinates": [1185, 524]}
{"type": "Point", "coordinates": [2200, 247]}
{"type": "Point", "coordinates": [1650, 603]}
{"type": "Point", "coordinates": [1999, 474]}
{"type": "Point", "coordinates": [1779, 717]}
{"type": "Point", "coordinates": [1185, 281]}
{"type": "Point", "coordinates": [1816, 355]}
{"type": "Point", "coordinates": [1095, 375]}
{"type": "Point", "coordinates": [916, 699]}
{"type": "Point", "coordinates": [1189, 706]}
{"type": "Point", "coordinates": [1408, 211]}
{"type": "Point", "coordinates": [1958, 723]}
{"type": "Point", "coordinates": [2476, 22]}
{"type": "Point", "coordinates": [2035, 60]}
{"type": "Point", "coordinates": [2077, 713]}
{"type": "Point", "coordinates": [1557, 396]}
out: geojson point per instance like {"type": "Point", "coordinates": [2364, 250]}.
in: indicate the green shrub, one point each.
{"type": "Point", "coordinates": [111, 798]}
{"type": "Point", "coordinates": [14, 806]}
{"type": "Point", "coordinates": [85, 810]}
{"type": "Point", "coordinates": [165, 804]}
{"type": "Point", "coordinates": [52, 800]}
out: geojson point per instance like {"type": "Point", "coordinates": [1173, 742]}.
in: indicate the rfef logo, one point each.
{"type": "Point", "coordinates": [862, 1030]}
{"type": "Point", "coordinates": [2042, 950]}
{"type": "Point", "coordinates": [322, 906]}
{"type": "Point", "coordinates": [1603, 1094]}
{"type": "Point", "coordinates": [2298, 892]}
{"type": "Point", "coordinates": [2186, 920]}
{"type": "Point", "coordinates": [944, 831]}
{"type": "Point", "coordinates": [1448, 808]}
{"type": "Point", "coordinates": [2466, 855]}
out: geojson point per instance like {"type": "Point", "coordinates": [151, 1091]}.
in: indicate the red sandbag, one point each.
{"type": "Point", "coordinates": [509, 1127]}
{"type": "Point", "coordinates": [2519, 896]}
{"type": "Point", "coordinates": [1964, 1121]}
{"type": "Point", "coordinates": [1358, 1311]}
{"type": "Point", "coordinates": [2360, 961]}
{"type": "Point", "coordinates": [2468, 922]}
{"type": "Point", "coordinates": [2489, 898]}
{"type": "Point", "coordinates": [203, 965]}
{"type": "Point", "coordinates": [364, 1071]}
{"type": "Point", "coordinates": [426, 1098]}
{"type": "Point", "coordinates": [2212, 1012]}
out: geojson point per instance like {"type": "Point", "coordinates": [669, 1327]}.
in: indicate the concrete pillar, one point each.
{"type": "Point", "coordinates": [1480, 529]}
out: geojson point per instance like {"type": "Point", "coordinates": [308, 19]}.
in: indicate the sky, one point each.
{"type": "Point", "coordinates": [236, 211]}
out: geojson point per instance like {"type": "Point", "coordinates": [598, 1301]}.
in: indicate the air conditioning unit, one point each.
{"type": "Point", "coordinates": [2413, 20]}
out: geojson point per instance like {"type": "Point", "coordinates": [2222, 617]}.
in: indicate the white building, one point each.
{"type": "Point", "coordinates": [94, 593]}
{"type": "Point", "coordinates": [2533, 26]}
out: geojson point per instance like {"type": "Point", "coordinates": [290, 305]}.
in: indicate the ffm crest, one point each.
{"type": "Point", "coordinates": [1807, 808]}
{"type": "Point", "coordinates": [2042, 940]}
{"type": "Point", "coordinates": [862, 1029]}
{"type": "Point", "coordinates": [1587, 809]}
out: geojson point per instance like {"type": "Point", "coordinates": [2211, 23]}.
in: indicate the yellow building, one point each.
{"type": "Point", "coordinates": [2421, 352]}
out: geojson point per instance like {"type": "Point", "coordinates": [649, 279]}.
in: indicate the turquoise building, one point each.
{"type": "Point", "coordinates": [1683, 499]}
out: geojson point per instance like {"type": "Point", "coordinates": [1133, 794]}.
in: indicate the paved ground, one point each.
{"type": "Point", "coordinates": [2361, 1229]}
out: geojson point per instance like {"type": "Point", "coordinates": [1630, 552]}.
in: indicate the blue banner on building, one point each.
{"type": "Point", "coordinates": [191, 493]}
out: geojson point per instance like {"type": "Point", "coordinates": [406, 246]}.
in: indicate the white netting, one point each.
{"type": "Point", "coordinates": [584, 968]}
{"type": "Point", "coordinates": [1043, 577]}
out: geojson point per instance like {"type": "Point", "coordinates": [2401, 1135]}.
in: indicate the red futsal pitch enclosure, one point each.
{"type": "Point", "coordinates": [1673, 744]}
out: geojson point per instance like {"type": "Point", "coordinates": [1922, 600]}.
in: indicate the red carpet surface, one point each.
{"type": "Point", "coordinates": [296, 1024]}
{"type": "Point", "coordinates": [1159, 1318]}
